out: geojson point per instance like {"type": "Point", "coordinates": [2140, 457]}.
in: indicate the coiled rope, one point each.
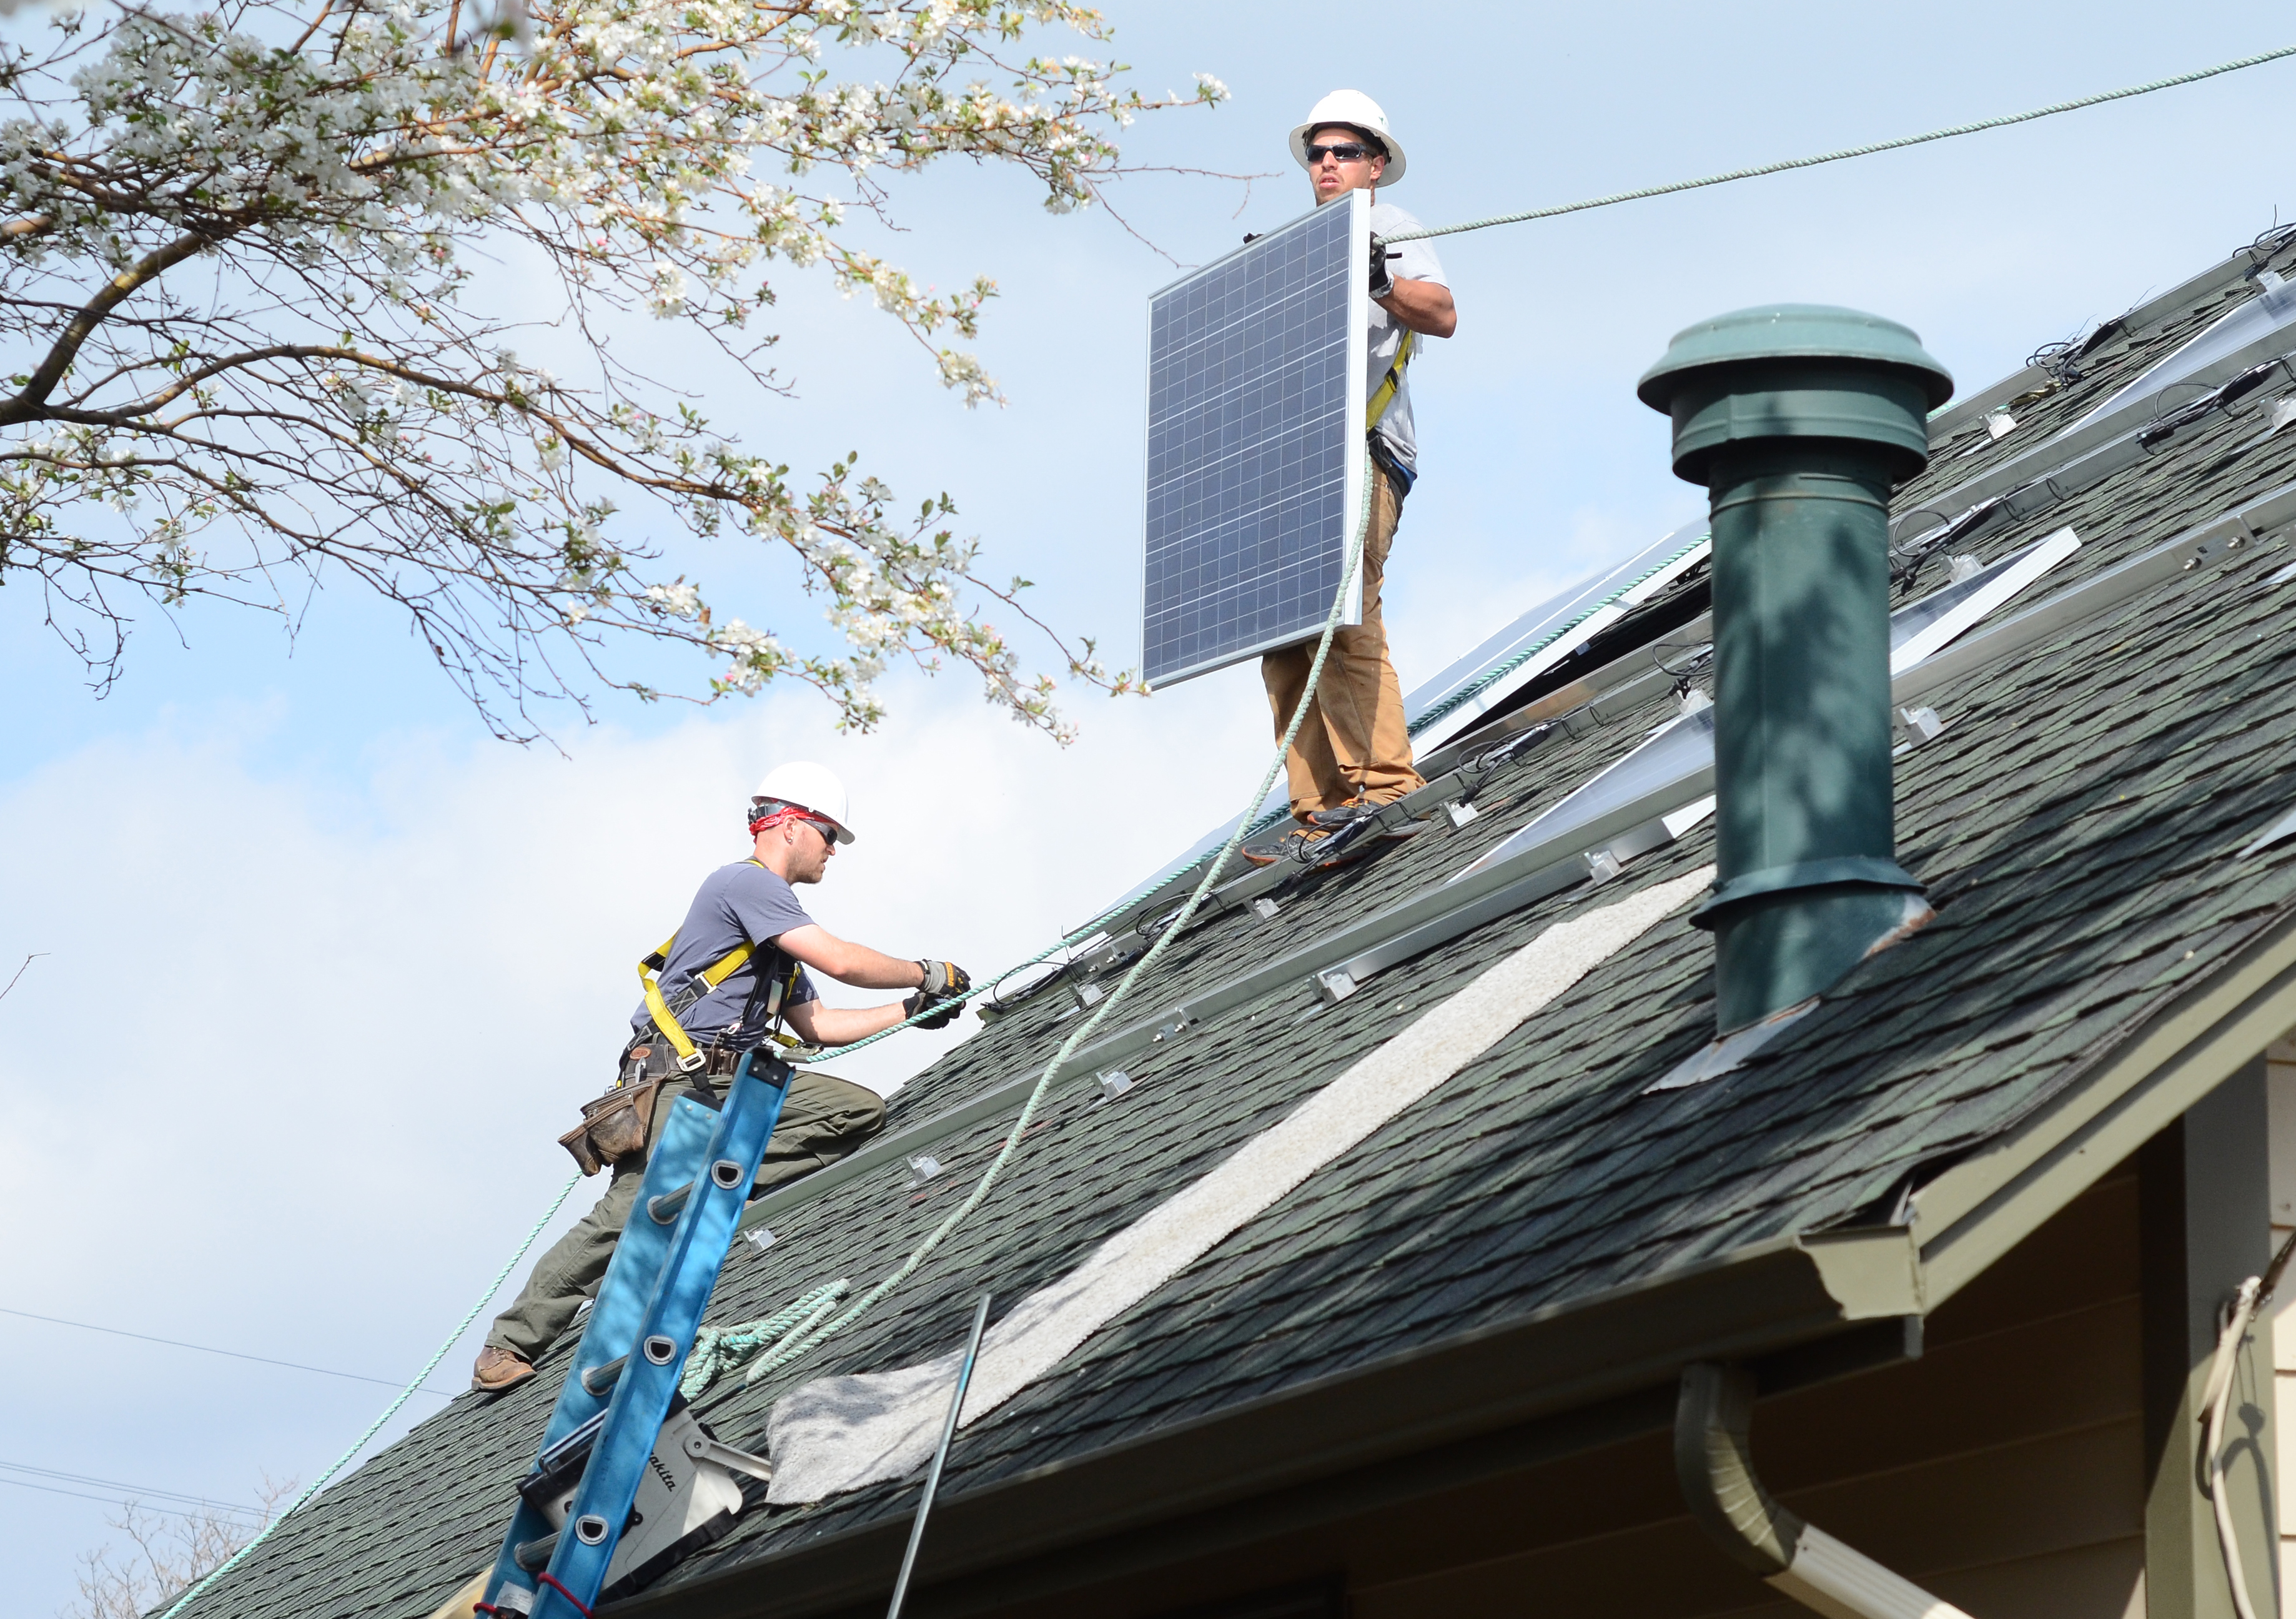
{"type": "Point", "coordinates": [1867, 150]}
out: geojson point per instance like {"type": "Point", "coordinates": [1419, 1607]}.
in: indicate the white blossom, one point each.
{"type": "Point", "coordinates": [234, 250]}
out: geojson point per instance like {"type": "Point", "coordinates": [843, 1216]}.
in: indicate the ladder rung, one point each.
{"type": "Point", "coordinates": [666, 1208]}
{"type": "Point", "coordinates": [598, 1379]}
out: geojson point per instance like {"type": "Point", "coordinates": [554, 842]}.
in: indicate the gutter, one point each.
{"type": "Point", "coordinates": [1714, 1461]}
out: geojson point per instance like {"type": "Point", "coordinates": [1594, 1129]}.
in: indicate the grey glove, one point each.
{"type": "Point", "coordinates": [1382, 283]}
{"type": "Point", "coordinates": [944, 980]}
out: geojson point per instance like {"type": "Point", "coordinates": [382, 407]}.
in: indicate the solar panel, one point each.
{"type": "Point", "coordinates": [1255, 444]}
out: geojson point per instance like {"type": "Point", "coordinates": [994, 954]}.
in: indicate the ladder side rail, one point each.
{"type": "Point", "coordinates": [643, 1394]}
{"type": "Point", "coordinates": [681, 1151]}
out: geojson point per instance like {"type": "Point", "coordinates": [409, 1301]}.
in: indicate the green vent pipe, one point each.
{"type": "Point", "coordinates": [1798, 419]}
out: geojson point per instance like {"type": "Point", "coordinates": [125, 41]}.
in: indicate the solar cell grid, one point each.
{"type": "Point", "coordinates": [1255, 444]}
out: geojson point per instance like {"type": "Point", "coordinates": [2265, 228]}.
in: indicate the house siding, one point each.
{"type": "Point", "coordinates": [2281, 1077]}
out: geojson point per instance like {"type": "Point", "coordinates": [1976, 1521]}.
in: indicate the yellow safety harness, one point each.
{"type": "Point", "coordinates": [1385, 394]}
{"type": "Point", "coordinates": [689, 1055]}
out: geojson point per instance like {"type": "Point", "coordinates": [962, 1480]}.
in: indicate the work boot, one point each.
{"type": "Point", "coordinates": [499, 1369]}
{"type": "Point", "coordinates": [1342, 814]}
{"type": "Point", "coordinates": [1293, 845]}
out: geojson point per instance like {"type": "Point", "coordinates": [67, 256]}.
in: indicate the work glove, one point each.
{"type": "Point", "coordinates": [944, 980]}
{"type": "Point", "coordinates": [1383, 283]}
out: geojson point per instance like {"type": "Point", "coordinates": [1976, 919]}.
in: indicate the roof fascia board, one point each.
{"type": "Point", "coordinates": [1770, 1298]}
{"type": "Point", "coordinates": [1986, 1204]}
{"type": "Point", "coordinates": [2138, 321]}
{"type": "Point", "coordinates": [2047, 458]}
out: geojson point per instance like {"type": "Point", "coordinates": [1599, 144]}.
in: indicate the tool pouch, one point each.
{"type": "Point", "coordinates": [618, 1125]}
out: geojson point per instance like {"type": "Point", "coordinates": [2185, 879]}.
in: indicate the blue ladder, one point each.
{"type": "Point", "coordinates": [627, 1367]}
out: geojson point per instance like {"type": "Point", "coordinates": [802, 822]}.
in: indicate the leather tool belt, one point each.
{"type": "Point", "coordinates": [619, 1124]}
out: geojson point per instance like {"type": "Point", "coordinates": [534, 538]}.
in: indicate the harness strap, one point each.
{"type": "Point", "coordinates": [689, 1057]}
{"type": "Point", "coordinates": [1385, 395]}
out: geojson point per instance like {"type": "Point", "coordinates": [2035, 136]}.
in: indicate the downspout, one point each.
{"type": "Point", "coordinates": [1799, 419]}
{"type": "Point", "coordinates": [1714, 1458]}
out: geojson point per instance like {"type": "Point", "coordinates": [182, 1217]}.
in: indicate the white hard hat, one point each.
{"type": "Point", "coordinates": [809, 786]}
{"type": "Point", "coordinates": [1354, 108]}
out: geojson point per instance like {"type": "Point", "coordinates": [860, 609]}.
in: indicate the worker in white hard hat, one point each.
{"type": "Point", "coordinates": [731, 979]}
{"type": "Point", "coordinates": [1351, 753]}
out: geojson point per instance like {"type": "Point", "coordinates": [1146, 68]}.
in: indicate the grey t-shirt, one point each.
{"type": "Point", "coordinates": [737, 904]}
{"type": "Point", "coordinates": [1408, 261]}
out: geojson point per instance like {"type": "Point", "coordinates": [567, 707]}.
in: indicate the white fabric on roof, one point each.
{"type": "Point", "coordinates": [840, 1433]}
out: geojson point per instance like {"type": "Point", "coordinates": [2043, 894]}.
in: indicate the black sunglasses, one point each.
{"type": "Point", "coordinates": [1346, 152]}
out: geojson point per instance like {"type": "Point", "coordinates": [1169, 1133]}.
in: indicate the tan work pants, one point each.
{"type": "Point", "coordinates": [1352, 742]}
{"type": "Point", "coordinates": [822, 1119]}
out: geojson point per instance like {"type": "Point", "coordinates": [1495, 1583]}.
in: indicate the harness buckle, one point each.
{"type": "Point", "coordinates": [693, 1061]}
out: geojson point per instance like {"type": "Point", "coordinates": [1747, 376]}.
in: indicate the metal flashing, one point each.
{"type": "Point", "coordinates": [1732, 1051]}
{"type": "Point", "coordinates": [2280, 830]}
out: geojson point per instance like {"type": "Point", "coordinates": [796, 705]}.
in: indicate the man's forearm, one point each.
{"type": "Point", "coordinates": [1423, 306]}
{"type": "Point", "coordinates": [843, 1026]}
{"type": "Point", "coordinates": [848, 963]}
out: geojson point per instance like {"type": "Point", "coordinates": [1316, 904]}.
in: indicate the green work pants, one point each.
{"type": "Point", "coordinates": [824, 1119]}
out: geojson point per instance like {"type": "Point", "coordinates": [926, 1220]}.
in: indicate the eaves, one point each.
{"type": "Point", "coordinates": [1588, 1373]}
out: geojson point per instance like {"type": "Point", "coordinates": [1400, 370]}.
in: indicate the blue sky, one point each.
{"type": "Point", "coordinates": [327, 968]}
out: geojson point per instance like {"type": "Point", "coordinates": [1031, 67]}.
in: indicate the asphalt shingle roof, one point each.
{"type": "Point", "coordinates": [2078, 823]}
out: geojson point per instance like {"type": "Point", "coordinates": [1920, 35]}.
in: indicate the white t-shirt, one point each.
{"type": "Point", "coordinates": [1407, 261]}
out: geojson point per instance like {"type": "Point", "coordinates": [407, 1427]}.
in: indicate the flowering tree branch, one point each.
{"type": "Point", "coordinates": [232, 264]}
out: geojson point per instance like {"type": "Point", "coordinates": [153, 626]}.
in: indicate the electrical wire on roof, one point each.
{"type": "Point", "coordinates": [1846, 152]}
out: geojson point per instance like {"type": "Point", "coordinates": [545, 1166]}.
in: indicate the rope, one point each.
{"type": "Point", "coordinates": [799, 1343]}
{"type": "Point", "coordinates": [1846, 152]}
{"type": "Point", "coordinates": [389, 1412]}
{"type": "Point", "coordinates": [721, 1349]}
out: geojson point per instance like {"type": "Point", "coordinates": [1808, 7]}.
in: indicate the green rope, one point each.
{"type": "Point", "coordinates": [721, 1349]}
{"type": "Point", "coordinates": [799, 1343]}
{"type": "Point", "coordinates": [389, 1412]}
{"type": "Point", "coordinates": [1846, 152]}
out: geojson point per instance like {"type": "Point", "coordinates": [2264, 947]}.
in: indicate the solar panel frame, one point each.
{"type": "Point", "coordinates": [1242, 547]}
